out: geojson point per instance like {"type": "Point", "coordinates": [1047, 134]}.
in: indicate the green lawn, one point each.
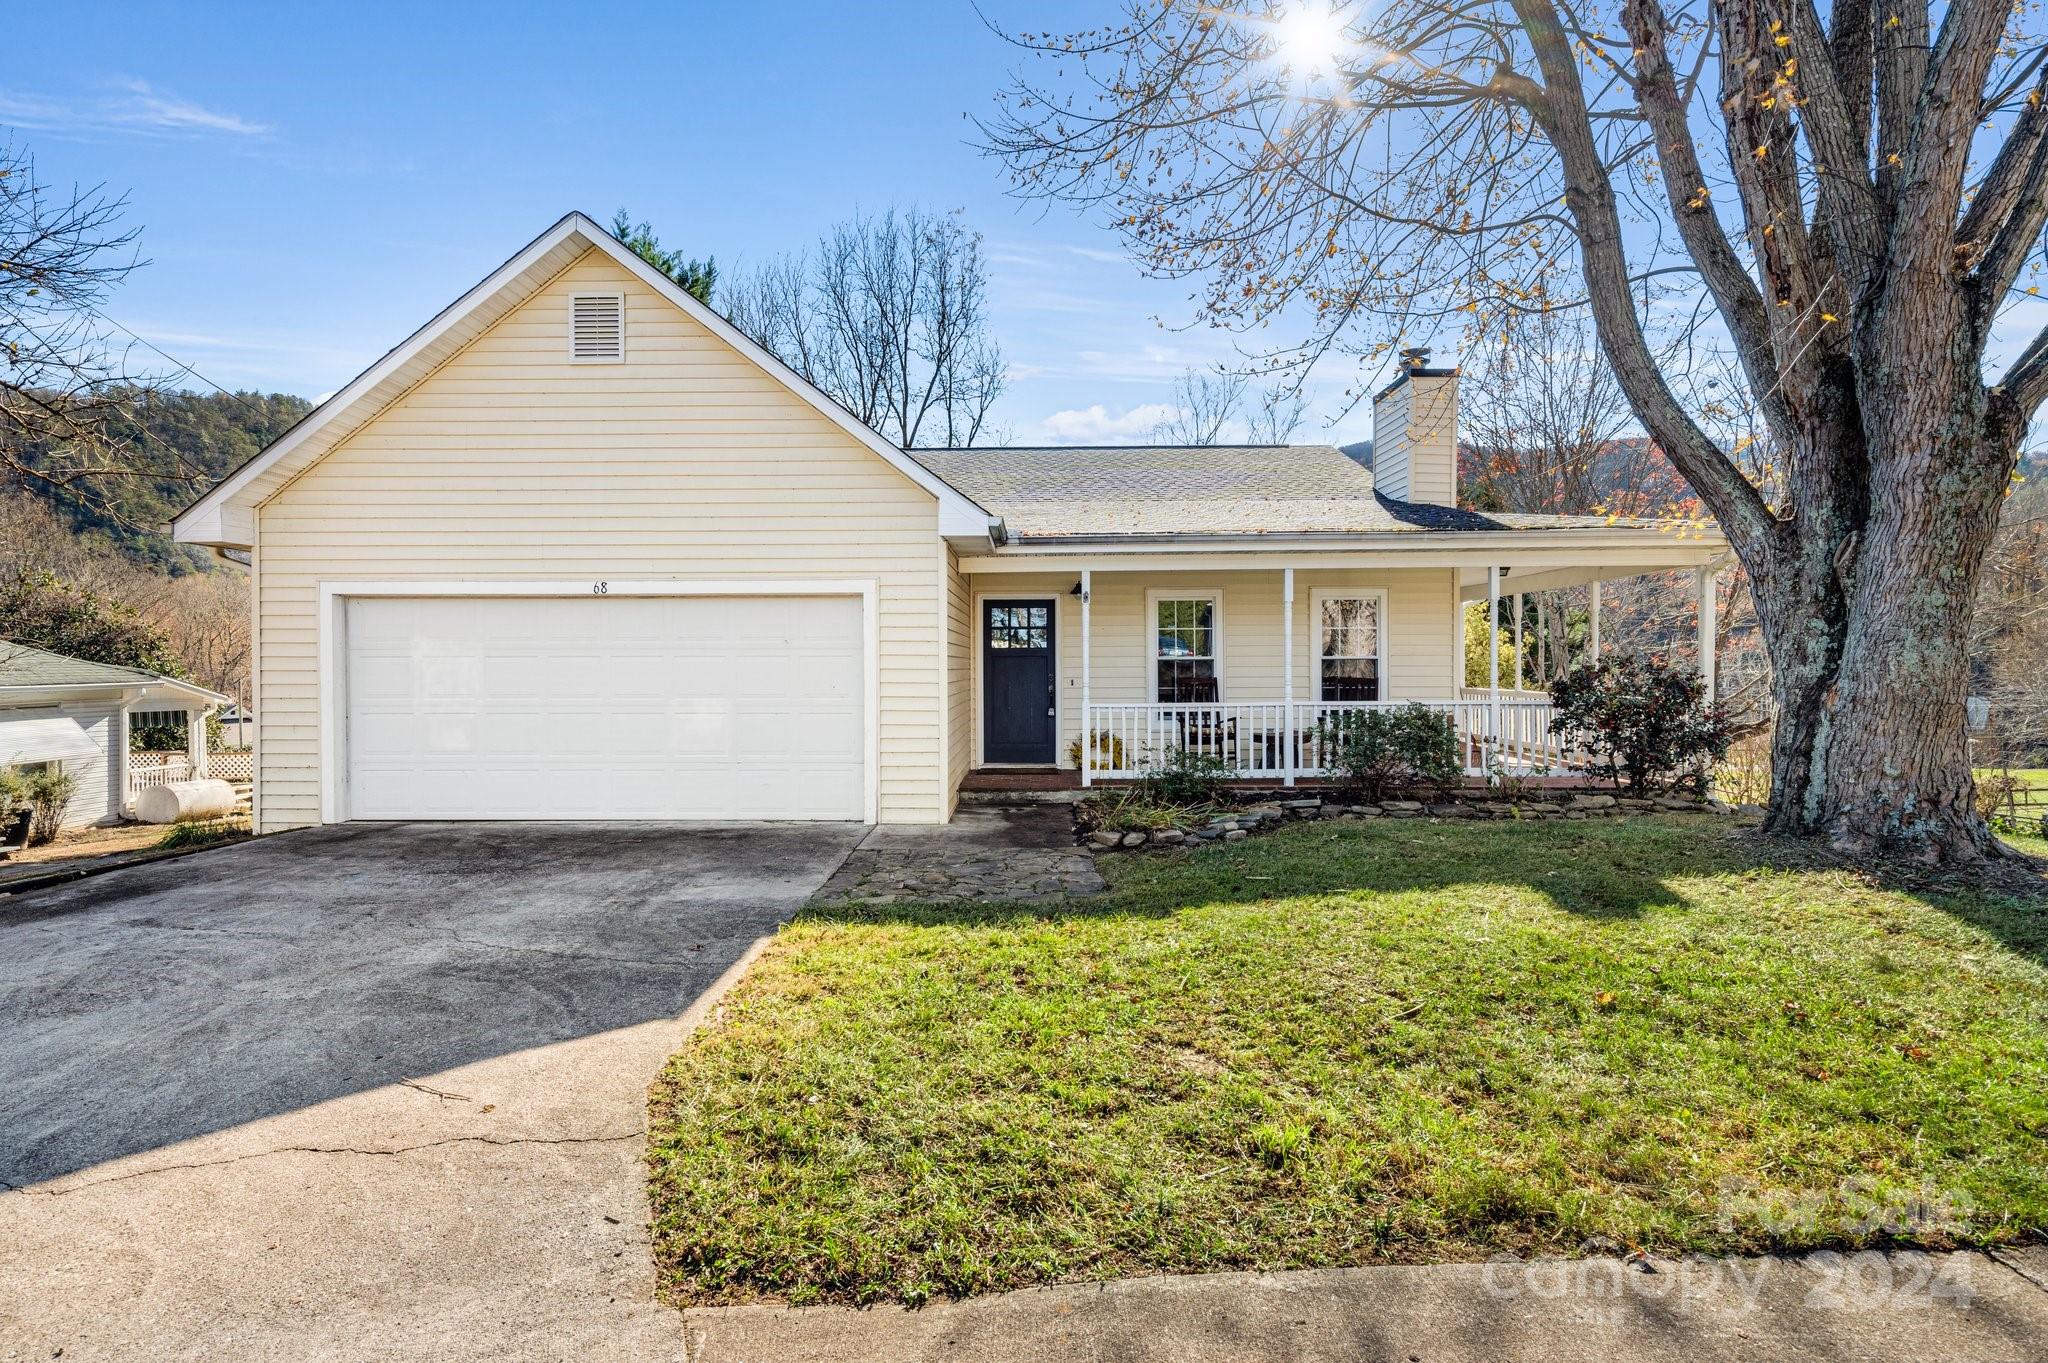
{"type": "Point", "coordinates": [1398, 1041]}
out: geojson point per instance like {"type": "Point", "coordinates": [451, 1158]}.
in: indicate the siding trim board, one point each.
{"type": "Point", "coordinates": [332, 656]}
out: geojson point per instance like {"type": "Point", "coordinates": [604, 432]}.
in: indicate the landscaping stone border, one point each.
{"type": "Point", "coordinates": [1238, 824]}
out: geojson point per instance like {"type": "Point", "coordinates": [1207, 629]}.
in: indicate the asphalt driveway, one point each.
{"type": "Point", "coordinates": [361, 1092]}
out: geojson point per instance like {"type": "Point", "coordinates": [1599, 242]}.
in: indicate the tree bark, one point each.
{"type": "Point", "coordinates": [1870, 646]}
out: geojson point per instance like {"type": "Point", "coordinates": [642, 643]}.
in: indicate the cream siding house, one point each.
{"type": "Point", "coordinates": [580, 494]}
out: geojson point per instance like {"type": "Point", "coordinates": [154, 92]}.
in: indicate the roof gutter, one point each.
{"type": "Point", "coordinates": [1615, 536]}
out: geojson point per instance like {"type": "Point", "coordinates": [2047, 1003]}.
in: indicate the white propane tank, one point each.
{"type": "Point", "coordinates": [183, 801]}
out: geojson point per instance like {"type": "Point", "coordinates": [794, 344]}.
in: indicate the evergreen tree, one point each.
{"type": "Point", "coordinates": [695, 276]}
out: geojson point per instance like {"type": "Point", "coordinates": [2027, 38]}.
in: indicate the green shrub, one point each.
{"type": "Point", "coordinates": [1186, 777]}
{"type": "Point", "coordinates": [1388, 752]}
{"type": "Point", "coordinates": [48, 794]}
{"type": "Point", "coordinates": [203, 832]}
{"type": "Point", "coordinates": [156, 738]}
{"type": "Point", "coordinates": [1646, 722]}
{"type": "Point", "coordinates": [13, 797]}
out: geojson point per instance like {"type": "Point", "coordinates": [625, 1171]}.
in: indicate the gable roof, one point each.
{"type": "Point", "coordinates": [1069, 492]}
{"type": "Point", "coordinates": [24, 666]}
{"type": "Point", "coordinates": [224, 516]}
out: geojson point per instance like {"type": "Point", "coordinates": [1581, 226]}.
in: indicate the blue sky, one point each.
{"type": "Point", "coordinates": [315, 181]}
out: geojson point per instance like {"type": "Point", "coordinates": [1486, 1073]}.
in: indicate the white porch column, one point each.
{"type": "Point", "coordinates": [1459, 681]}
{"type": "Point", "coordinates": [1519, 669]}
{"type": "Point", "coordinates": [1087, 720]}
{"type": "Point", "coordinates": [195, 739]}
{"type": "Point", "coordinates": [1287, 676]}
{"type": "Point", "coordinates": [1708, 606]}
{"type": "Point", "coordinates": [1492, 658]}
{"type": "Point", "coordinates": [1593, 623]}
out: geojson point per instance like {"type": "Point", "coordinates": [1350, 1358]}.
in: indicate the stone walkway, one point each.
{"type": "Point", "coordinates": [998, 855]}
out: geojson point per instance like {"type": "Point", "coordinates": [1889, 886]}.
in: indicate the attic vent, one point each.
{"type": "Point", "coordinates": [597, 327]}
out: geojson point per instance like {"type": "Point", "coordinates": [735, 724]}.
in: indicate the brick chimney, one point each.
{"type": "Point", "coordinates": [1415, 433]}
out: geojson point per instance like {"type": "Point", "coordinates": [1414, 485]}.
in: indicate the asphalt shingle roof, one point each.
{"type": "Point", "coordinates": [26, 665]}
{"type": "Point", "coordinates": [1069, 491]}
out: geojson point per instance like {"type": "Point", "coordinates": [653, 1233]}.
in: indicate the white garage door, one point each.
{"type": "Point", "coordinates": [605, 708]}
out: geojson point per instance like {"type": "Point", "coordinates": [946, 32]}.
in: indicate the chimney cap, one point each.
{"type": "Point", "coordinates": [1414, 364]}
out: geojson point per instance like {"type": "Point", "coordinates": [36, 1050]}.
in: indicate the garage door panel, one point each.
{"type": "Point", "coordinates": [627, 707]}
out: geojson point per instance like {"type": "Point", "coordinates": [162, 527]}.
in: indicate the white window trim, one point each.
{"type": "Point", "coordinates": [332, 657]}
{"type": "Point", "coordinates": [1059, 719]}
{"type": "Point", "coordinates": [617, 297]}
{"type": "Point", "coordinates": [1155, 595]}
{"type": "Point", "coordinates": [1317, 597]}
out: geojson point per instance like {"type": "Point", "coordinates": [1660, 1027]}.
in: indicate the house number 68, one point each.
{"type": "Point", "coordinates": [600, 588]}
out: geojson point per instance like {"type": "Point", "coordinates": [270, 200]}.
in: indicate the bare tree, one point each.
{"type": "Point", "coordinates": [1543, 418]}
{"type": "Point", "coordinates": [1852, 197]}
{"type": "Point", "coordinates": [2009, 632]}
{"type": "Point", "coordinates": [1277, 415]}
{"type": "Point", "coordinates": [888, 314]}
{"type": "Point", "coordinates": [66, 377]}
{"type": "Point", "coordinates": [1204, 403]}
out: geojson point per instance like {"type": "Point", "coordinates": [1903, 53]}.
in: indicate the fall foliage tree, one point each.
{"type": "Point", "coordinates": [1851, 194]}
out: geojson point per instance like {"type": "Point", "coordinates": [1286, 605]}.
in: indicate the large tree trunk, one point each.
{"type": "Point", "coordinates": [1869, 635]}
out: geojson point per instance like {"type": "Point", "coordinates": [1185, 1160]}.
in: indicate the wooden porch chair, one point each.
{"type": "Point", "coordinates": [1207, 734]}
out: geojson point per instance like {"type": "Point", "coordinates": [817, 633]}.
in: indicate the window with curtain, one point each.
{"type": "Point", "coordinates": [1184, 656]}
{"type": "Point", "coordinates": [1350, 648]}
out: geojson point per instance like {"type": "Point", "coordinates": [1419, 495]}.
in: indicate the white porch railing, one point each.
{"type": "Point", "coordinates": [1480, 693]}
{"type": "Point", "coordinates": [156, 769]}
{"type": "Point", "coordinates": [1263, 740]}
{"type": "Point", "coordinates": [146, 769]}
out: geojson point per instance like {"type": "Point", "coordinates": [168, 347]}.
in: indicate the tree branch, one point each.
{"type": "Point", "coordinates": [2010, 208]}
{"type": "Point", "coordinates": [1589, 195]}
{"type": "Point", "coordinates": [1692, 206]}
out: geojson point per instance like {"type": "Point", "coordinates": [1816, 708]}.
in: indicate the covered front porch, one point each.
{"type": "Point", "coordinates": [1250, 659]}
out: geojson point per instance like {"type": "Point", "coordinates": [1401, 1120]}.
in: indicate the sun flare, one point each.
{"type": "Point", "coordinates": [1309, 39]}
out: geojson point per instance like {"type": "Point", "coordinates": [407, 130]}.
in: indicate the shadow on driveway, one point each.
{"type": "Point", "coordinates": [153, 1005]}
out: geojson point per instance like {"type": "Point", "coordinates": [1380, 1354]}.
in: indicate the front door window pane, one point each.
{"type": "Point", "coordinates": [1028, 627]}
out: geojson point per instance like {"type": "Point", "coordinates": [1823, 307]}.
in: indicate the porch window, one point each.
{"type": "Point", "coordinates": [1350, 660]}
{"type": "Point", "coordinates": [1184, 657]}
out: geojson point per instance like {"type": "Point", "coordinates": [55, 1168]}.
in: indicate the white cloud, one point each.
{"type": "Point", "coordinates": [1095, 425]}
{"type": "Point", "coordinates": [153, 110]}
{"type": "Point", "coordinates": [256, 358]}
{"type": "Point", "coordinates": [139, 110]}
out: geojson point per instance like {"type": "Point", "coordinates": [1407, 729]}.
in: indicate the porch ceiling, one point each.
{"type": "Point", "coordinates": [1516, 577]}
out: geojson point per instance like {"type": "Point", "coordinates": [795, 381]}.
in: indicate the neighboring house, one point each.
{"type": "Point", "coordinates": [577, 548]}
{"type": "Point", "coordinates": [74, 714]}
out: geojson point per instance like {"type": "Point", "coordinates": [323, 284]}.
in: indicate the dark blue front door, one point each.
{"type": "Point", "coordinates": [1017, 682]}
